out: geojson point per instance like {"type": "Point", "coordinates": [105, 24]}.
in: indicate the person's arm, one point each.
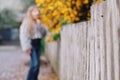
{"type": "Point", "coordinates": [48, 36]}
{"type": "Point", "coordinates": [45, 32]}
{"type": "Point", "coordinates": [25, 37]}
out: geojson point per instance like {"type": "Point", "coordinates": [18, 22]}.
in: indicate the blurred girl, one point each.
{"type": "Point", "coordinates": [31, 33]}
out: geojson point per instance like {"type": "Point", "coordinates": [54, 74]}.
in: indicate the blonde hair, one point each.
{"type": "Point", "coordinates": [30, 19]}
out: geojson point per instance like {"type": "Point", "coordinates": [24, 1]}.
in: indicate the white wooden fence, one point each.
{"type": "Point", "coordinates": [52, 50]}
{"type": "Point", "coordinates": [90, 50]}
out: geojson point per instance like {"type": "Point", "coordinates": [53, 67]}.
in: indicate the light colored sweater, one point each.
{"type": "Point", "coordinates": [25, 38]}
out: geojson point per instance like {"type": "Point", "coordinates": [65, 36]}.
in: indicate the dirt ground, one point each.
{"type": "Point", "coordinates": [14, 65]}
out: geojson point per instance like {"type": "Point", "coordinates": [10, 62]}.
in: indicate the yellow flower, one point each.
{"type": "Point", "coordinates": [49, 39]}
{"type": "Point", "coordinates": [85, 1]}
{"type": "Point", "coordinates": [54, 13]}
{"type": "Point", "coordinates": [98, 1]}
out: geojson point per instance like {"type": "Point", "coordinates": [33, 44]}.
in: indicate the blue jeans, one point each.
{"type": "Point", "coordinates": [34, 63]}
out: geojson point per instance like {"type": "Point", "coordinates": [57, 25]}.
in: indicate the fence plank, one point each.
{"type": "Point", "coordinates": [90, 50]}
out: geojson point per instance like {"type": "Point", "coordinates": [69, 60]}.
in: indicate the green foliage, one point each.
{"type": "Point", "coordinates": [28, 3]}
{"type": "Point", "coordinates": [7, 18]}
{"type": "Point", "coordinates": [56, 37]}
{"type": "Point", "coordinates": [43, 46]}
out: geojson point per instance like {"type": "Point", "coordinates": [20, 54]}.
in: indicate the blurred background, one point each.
{"type": "Point", "coordinates": [84, 40]}
{"type": "Point", "coordinates": [14, 63]}
{"type": "Point", "coordinates": [11, 14]}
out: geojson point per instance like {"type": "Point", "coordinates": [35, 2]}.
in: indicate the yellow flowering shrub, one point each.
{"type": "Point", "coordinates": [55, 13]}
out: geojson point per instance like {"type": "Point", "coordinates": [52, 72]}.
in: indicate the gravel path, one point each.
{"type": "Point", "coordinates": [14, 65]}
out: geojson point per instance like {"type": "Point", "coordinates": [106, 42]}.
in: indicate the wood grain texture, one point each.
{"type": "Point", "coordinates": [90, 50]}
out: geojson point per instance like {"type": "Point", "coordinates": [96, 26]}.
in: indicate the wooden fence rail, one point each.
{"type": "Point", "coordinates": [90, 50]}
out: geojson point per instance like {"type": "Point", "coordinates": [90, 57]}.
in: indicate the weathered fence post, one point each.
{"type": "Point", "coordinates": [90, 50]}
